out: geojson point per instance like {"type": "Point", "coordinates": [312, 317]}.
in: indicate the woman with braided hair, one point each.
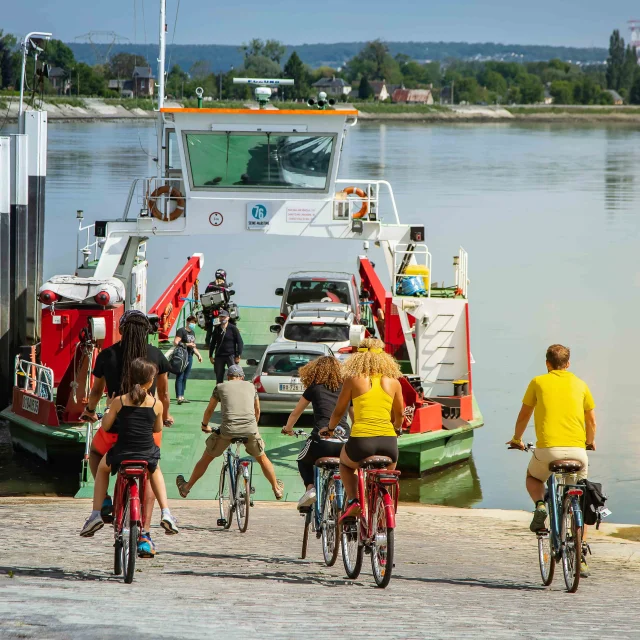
{"type": "Point", "coordinates": [371, 383]}
{"type": "Point", "coordinates": [112, 371]}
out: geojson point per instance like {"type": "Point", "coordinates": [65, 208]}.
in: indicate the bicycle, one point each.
{"type": "Point", "coordinates": [562, 540]}
{"type": "Point", "coordinates": [374, 531]}
{"type": "Point", "coordinates": [235, 488]}
{"type": "Point", "coordinates": [323, 517]}
{"type": "Point", "coordinates": [128, 510]}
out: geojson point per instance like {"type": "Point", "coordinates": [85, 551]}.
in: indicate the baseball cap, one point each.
{"type": "Point", "coordinates": [235, 371]}
{"type": "Point", "coordinates": [223, 313]}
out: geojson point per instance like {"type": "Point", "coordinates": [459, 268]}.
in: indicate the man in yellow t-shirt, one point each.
{"type": "Point", "coordinates": [565, 421]}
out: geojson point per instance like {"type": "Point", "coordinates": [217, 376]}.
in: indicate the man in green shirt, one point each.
{"type": "Point", "coordinates": [240, 409]}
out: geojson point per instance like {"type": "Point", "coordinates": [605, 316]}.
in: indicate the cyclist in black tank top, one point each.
{"type": "Point", "coordinates": [139, 416]}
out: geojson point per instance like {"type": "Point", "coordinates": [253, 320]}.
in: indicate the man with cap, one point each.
{"type": "Point", "coordinates": [240, 410]}
{"type": "Point", "coordinates": [225, 347]}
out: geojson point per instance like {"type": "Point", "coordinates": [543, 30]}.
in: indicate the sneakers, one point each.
{"type": "Point", "coordinates": [146, 548]}
{"type": "Point", "coordinates": [308, 498]}
{"type": "Point", "coordinates": [169, 523]}
{"type": "Point", "coordinates": [539, 518]}
{"type": "Point", "coordinates": [93, 523]}
{"type": "Point", "coordinates": [352, 510]}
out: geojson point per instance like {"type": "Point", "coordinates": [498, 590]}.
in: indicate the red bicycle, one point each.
{"type": "Point", "coordinates": [128, 509]}
{"type": "Point", "coordinates": [373, 531]}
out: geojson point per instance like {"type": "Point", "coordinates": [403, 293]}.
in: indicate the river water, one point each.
{"type": "Point", "coordinates": [548, 214]}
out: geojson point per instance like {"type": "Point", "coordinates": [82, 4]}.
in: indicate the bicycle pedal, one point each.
{"type": "Point", "coordinates": [318, 534]}
{"type": "Point", "coordinates": [304, 510]}
{"type": "Point", "coordinates": [221, 522]}
{"type": "Point", "coordinates": [251, 503]}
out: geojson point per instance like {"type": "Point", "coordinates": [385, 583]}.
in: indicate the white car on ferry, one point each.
{"type": "Point", "coordinates": [331, 324]}
{"type": "Point", "coordinates": [277, 375]}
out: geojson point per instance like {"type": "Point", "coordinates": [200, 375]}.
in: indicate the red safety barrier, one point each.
{"type": "Point", "coordinates": [170, 303]}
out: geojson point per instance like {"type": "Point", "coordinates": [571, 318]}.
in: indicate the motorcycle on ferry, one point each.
{"type": "Point", "coordinates": [217, 297]}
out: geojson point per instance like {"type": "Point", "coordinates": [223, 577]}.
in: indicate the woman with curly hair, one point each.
{"type": "Point", "coordinates": [322, 380]}
{"type": "Point", "coordinates": [371, 384]}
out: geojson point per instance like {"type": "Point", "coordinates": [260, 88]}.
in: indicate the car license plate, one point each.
{"type": "Point", "coordinates": [291, 388]}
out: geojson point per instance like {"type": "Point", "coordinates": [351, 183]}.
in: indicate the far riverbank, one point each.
{"type": "Point", "coordinates": [95, 109]}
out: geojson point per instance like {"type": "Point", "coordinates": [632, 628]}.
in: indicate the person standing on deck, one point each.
{"type": "Point", "coordinates": [112, 372]}
{"type": "Point", "coordinates": [187, 336]}
{"type": "Point", "coordinates": [226, 346]}
{"type": "Point", "coordinates": [565, 421]}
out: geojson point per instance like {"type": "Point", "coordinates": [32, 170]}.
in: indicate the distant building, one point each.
{"type": "Point", "coordinates": [143, 82]}
{"type": "Point", "coordinates": [547, 98]}
{"type": "Point", "coordinates": [412, 96]}
{"type": "Point", "coordinates": [333, 86]}
{"type": "Point", "coordinates": [59, 80]}
{"type": "Point", "coordinates": [380, 91]}
{"type": "Point", "coordinates": [617, 98]}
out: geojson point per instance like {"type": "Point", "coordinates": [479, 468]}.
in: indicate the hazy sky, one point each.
{"type": "Point", "coordinates": [558, 22]}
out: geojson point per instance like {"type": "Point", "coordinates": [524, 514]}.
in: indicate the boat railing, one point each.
{"type": "Point", "coordinates": [461, 265]}
{"type": "Point", "coordinates": [90, 251]}
{"type": "Point", "coordinates": [417, 255]}
{"type": "Point", "coordinates": [35, 378]}
{"type": "Point", "coordinates": [162, 198]}
{"type": "Point", "coordinates": [375, 194]}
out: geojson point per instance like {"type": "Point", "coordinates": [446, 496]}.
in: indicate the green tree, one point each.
{"type": "Point", "coordinates": [271, 49]}
{"type": "Point", "coordinates": [586, 91]}
{"type": "Point", "coordinates": [531, 89]}
{"type": "Point", "coordinates": [375, 62]}
{"type": "Point", "coordinates": [615, 61]}
{"type": "Point", "coordinates": [493, 81]}
{"type": "Point", "coordinates": [176, 81]}
{"type": "Point", "coordinates": [365, 90]}
{"type": "Point", "coordinates": [261, 66]}
{"type": "Point", "coordinates": [561, 91]}
{"type": "Point", "coordinates": [634, 94]}
{"type": "Point", "coordinates": [121, 65]}
{"type": "Point", "coordinates": [86, 82]}
{"type": "Point", "coordinates": [200, 69]}
{"type": "Point", "coordinates": [297, 71]}
{"type": "Point", "coordinates": [9, 60]}
{"type": "Point", "coordinates": [58, 54]}
{"type": "Point", "coordinates": [628, 69]}
{"type": "Point", "coordinates": [467, 90]}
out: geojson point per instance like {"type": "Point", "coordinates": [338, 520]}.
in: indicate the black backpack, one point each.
{"type": "Point", "coordinates": [179, 359]}
{"type": "Point", "coordinates": [593, 500]}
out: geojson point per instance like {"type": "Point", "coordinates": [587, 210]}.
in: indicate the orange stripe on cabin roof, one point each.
{"type": "Point", "coordinates": [284, 112]}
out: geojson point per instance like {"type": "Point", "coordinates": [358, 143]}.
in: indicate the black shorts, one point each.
{"type": "Point", "coordinates": [357, 449]}
{"type": "Point", "coordinates": [151, 457]}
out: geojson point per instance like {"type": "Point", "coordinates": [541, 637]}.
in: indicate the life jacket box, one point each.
{"type": "Point", "coordinates": [212, 299]}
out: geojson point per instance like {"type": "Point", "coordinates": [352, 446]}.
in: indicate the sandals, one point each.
{"type": "Point", "coordinates": [181, 483]}
{"type": "Point", "coordinates": [279, 492]}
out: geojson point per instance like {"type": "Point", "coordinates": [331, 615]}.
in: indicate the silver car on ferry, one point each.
{"type": "Point", "coordinates": [277, 377]}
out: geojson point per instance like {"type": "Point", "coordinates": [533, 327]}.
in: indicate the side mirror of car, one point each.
{"type": "Point", "coordinates": [275, 328]}
{"type": "Point", "coordinates": [279, 320]}
{"type": "Point", "coordinates": [232, 292]}
{"type": "Point", "coordinates": [279, 291]}
{"type": "Point", "coordinates": [230, 284]}
{"type": "Point", "coordinates": [252, 362]}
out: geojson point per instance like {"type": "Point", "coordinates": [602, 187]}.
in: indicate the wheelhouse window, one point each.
{"type": "Point", "coordinates": [263, 160]}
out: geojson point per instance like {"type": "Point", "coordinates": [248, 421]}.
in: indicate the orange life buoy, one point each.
{"type": "Point", "coordinates": [174, 194]}
{"type": "Point", "coordinates": [364, 209]}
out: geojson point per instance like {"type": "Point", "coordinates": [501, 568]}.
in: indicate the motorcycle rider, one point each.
{"type": "Point", "coordinates": [219, 283]}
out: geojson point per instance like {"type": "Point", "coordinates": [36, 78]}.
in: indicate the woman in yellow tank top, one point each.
{"type": "Point", "coordinates": [371, 384]}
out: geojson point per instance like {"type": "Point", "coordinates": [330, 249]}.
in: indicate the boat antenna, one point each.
{"type": "Point", "coordinates": [161, 64]}
{"type": "Point", "coordinates": [263, 87]}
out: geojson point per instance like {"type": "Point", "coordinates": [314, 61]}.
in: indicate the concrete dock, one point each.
{"type": "Point", "coordinates": [459, 574]}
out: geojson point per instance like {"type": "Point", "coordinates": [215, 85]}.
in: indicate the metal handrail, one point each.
{"type": "Point", "coordinates": [37, 378]}
{"type": "Point", "coordinates": [412, 252]}
{"type": "Point", "coordinates": [376, 200]}
{"type": "Point", "coordinates": [149, 186]}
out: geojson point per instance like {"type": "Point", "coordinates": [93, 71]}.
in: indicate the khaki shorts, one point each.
{"type": "Point", "coordinates": [216, 444]}
{"type": "Point", "coordinates": [539, 464]}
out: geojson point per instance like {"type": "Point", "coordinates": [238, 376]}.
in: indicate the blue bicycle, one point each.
{"type": "Point", "coordinates": [561, 541]}
{"type": "Point", "coordinates": [323, 516]}
{"type": "Point", "coordinates": [235, 489]}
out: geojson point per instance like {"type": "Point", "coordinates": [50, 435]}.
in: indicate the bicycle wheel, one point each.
{"type": "Point", "coordinates": [547, 558]}
{"type": "Point", "coordinates": [330, 525]}
{"type": "Point", "coordinates": [224, 497]}
{"type": "Point", "coordinates": [129, 541]}
{"type": "Point", "coordinates": [243, 501]}
{"type": "Point", "coordinates": [571, 542]}
{"type": "Point", "coordinates": [352, 550]}
{"type": "Point", "coordinates": [305, 535]}
{"type": "Point", "coordinates": [382, 546]}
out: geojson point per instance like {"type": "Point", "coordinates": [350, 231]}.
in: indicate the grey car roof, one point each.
{"type": "Point", "coordinates": [318, 310]}
{"type": "Point", "coordinates": [292, 347]}
{"type": "Point", "coordinates": [338, 275]}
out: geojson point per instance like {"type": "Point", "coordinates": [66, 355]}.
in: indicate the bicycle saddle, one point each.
{"type": "Point", "coordinates": [565, 466]}
{"type": "Point", "coordinates": [243, 440]}
{"type": "Point", "coordinates": [375, 462]}
{"type": "Point", "coordinates": [327, 463]}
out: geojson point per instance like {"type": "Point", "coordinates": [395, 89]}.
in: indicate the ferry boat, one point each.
{"type": "Point", "coordinates": [250, 171]}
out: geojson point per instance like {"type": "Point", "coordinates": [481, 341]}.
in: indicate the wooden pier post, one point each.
{"type": "Point", "coordinates": [6, 360]}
